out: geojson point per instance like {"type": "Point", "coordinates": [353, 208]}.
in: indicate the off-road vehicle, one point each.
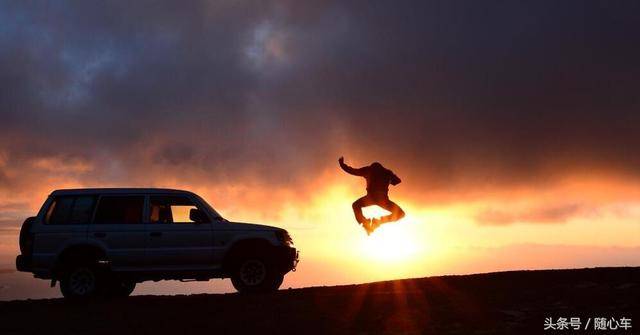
{"type": "Point", "coordinates": [101, 242]}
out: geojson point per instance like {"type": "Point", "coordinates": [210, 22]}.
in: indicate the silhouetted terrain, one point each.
{"type": "Point", "coordinates": [505, 302]}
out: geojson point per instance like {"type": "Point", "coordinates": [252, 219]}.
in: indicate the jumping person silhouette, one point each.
{"type": "Point", "coordinates": [378, 180]}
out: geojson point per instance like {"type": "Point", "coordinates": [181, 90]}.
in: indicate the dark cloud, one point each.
{"type": "Point", "coordinates": [451, 95]}
{"type": "Point", "coordinates": [538, 215]}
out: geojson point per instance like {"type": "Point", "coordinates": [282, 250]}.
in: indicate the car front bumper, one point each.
{"type": "Point", "coordinates": [289, 258]}
{"type": "Point", "coordinates": [296, 260]}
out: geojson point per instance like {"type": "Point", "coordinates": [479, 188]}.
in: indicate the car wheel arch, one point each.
{"type": "Point", "coordinates": [77, 253]}
{"type": "Point", "coordinates": [244, 247]}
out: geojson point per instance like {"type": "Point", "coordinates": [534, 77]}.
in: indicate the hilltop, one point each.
{"type": "Point", "coordinates": [503, 302]}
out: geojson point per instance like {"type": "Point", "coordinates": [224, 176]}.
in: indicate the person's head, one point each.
{"type": "Point", "coordinates": [376, 165]}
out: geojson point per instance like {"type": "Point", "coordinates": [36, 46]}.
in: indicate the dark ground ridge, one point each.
{"type": "Point", "coordinates": [513, 302]}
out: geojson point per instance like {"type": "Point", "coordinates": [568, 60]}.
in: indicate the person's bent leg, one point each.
{"type": "Point", "coordinates": [357, 208]}
{"type": "Point", "coordinates": [396, 212]}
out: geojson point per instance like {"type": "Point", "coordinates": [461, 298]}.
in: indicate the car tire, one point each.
{"type": "Point", "coordinates": [80, 282]}
{"type": "Point", "coordinates": [120, 288]}
{"type": "Point", "coordinates": [255, 275]}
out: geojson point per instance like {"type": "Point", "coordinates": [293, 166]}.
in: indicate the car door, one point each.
{"type": "Point", "coordinates": [177, 239]}
{"type": "Point", "coordinates": [119, 228]}
{"type": "Point", "coordinates": [225, 234]}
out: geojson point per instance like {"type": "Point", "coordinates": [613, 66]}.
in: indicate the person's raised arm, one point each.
{"type": "Point", "coordinates": [350, 170]}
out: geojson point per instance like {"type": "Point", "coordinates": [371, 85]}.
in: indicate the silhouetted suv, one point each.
{"type": "Point", "coordinates": [104, 241]}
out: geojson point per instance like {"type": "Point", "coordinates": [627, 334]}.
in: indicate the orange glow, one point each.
{"type": "Point", "coordinates": [445, 238]}
{"type": "Point", "coordinates": [392, 242]}
{"type": "Point", "coordinates": [434, 238]}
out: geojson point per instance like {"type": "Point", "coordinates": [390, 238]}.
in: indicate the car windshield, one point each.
{"type": "Point", "coordinates": [213, 211]}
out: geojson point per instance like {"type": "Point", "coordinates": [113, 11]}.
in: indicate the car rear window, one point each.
{"type": "Point", "coordinates": [119, 210]}
{"type": "Point", "coordinates": [70, 210]}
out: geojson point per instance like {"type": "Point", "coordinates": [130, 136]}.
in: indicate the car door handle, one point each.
{"type": "Point", "coordinates": [100, 235]}
{"type": "Point", "coordinates": [156, 234]}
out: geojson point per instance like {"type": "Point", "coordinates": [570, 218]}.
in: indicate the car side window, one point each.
{"type": "Point", "coordinates": [82, 210]}
{"type": "Point", "coordinates": [70, 210]}
{"type": "Point", "coordinates": [119, 210]}
{"type": "Point", "coordinates": [174, 209]}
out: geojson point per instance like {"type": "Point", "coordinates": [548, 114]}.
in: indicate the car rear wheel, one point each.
{"type": "Point", "coordinates": [120, 288]}
{"type": "Point", "coordinates": [255, 274]}
{"type": "Point", "coordinates": [80, 282]}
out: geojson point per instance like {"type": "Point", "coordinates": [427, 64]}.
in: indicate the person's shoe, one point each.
{"type": "Point", "coordinates": [375, 223]}
{"type": "Point", "coordinates": [367, 225]}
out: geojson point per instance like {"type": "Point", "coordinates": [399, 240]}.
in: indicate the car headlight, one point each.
{"type": "Point", "coordinates": [284, 237]}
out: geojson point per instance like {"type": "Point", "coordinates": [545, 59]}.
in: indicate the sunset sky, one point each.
{"type": "Point", "coordinates": [514, 126]}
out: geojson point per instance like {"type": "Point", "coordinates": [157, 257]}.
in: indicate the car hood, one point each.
{"type": "Point", "coordinates": [253, 226]}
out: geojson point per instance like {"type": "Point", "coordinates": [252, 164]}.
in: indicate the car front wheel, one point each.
{"type": "Point", "coordinates": [254, 274]}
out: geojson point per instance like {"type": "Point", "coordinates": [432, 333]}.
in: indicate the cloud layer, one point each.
{"type": "Point", "coordinates": [451, 95]}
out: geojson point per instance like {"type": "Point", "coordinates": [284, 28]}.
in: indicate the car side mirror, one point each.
{"type": "Point", "coordinates": [197, 216]}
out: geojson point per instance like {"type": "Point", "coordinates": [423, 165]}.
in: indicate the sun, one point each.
{"type": "Point", "coordinates": [392, 242]}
